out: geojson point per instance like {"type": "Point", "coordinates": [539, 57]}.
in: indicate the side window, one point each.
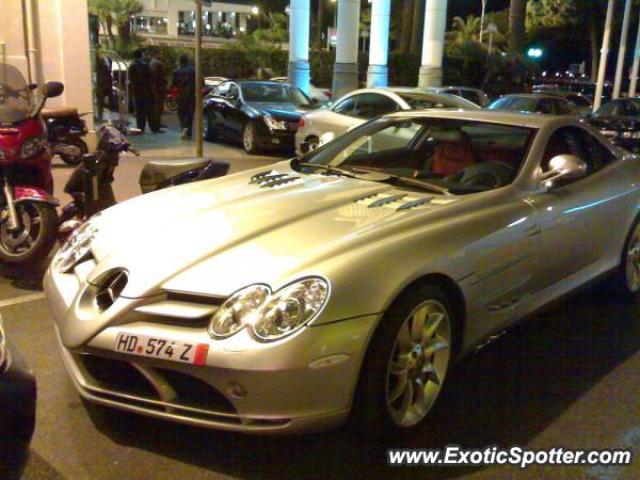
{"type": "Point", "coordinates": [546, 106]}
{"type": "Point", "coordinates": [571, 141]}
{"type": "Point", "coordinates": [234, 92]}
{"type": "Point", "coordinates": [346, 106]}
{"type": "Point", "coordinates": [603, 155]}
{"type": "Point", "coordinates": [630, 109]}
{"type": "Point", "coordinates": [371, 105]}
{"type": "Point", "coordinates": [471, 95]}
{"type": "Point", "coordinates": [563, 107]}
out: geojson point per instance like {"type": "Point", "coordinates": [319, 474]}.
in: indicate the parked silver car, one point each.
{"type": "Point", "coordinates": [357, 107]}
{"type": "Point", "coordinates": [285, 299]}
{"type": "Point", "coordinates": [475, 95]}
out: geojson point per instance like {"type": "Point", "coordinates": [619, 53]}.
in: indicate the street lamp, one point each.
{"type": "Point", "coordinates": [255, 10]}
{"type": "Point", "coordinates": [534, 53]}
{"type": "Point", "coordinates": [484, 6]}
{"type": "Point", "coordinates": [491, 28]}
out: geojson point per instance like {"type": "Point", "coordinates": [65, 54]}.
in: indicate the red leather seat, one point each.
{"type": "Point", "coordinates": [453, 156]}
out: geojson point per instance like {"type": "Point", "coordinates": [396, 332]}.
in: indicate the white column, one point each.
{"type": "Point", "coordinates": [345, 70]}
{"type": "Point", "coordinates": [435, 22]}
{"type": "Point", "coordinates": [604, 53]}
{"type": "Point", "coordinates": [299, 44]}
{"type": "Point", "coordinates": [377, 75]}
{"type": "Point", "coordinates": [636, 62]}
{"type": "Point", "coordinates": [622, 50]}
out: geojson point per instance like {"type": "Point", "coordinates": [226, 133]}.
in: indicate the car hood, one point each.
{"type": "Point", "coordinates": [280, 111]}
{"type": "Point", "coordinates": [214, 237]}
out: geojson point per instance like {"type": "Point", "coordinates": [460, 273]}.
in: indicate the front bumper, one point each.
{"type": "Point", "coordinates": [276, 139]}
{"type": "Point", "coordinates": [18, 414]}
{"type": "Point", "coordinates": [303, 383]}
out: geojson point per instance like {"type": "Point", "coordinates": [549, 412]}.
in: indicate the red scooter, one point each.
{"type": "Point", "coordinates": [28, 216]}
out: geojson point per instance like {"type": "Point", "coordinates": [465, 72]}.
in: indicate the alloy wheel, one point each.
{"type": "Point", "coordinates": [23, 238]}
{"type": "Point", "coordinates": [419, 363]}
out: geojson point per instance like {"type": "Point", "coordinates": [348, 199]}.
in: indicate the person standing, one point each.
{"type": "Point", "coordinates": [184, 78]}
{"type": "Point", "coordinates": [140, 81]}
{"type": "Point", "coordinates": [159, 77]}
{"type": "Point", "coordinates": [104, 83]}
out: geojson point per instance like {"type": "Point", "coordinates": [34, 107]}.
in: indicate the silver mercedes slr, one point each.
{"type": "Point", "coordinates": [343, 284]}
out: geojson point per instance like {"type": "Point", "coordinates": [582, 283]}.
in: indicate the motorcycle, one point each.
{"type": "Point", "coordinates": [28, 216]}
{"type": "Point", "coordinates": [171, 99]}
{"type": "Point", "coordinates": [90, 185]}
{"type": "Point", "coordinates": [66, 129]}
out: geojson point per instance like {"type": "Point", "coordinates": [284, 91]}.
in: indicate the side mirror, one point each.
{"type": "Point", "coordinates": [52, 89]}
{"type": "Point", "coordinates": [565, 167]}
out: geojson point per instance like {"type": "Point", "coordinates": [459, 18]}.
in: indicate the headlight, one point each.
{"type": "Point", "coordinates": [3, 348]}
{"type": "Point", "coordinates": [32, 146]}
{"type": "Point", "coordinates": [290, 308]}
{"type": "Point", "coordinates": [75, 248]}
{"type": "Point", "coordinates": [270, 316]}
{"type": "Point", "coordinates": [238, 311]}
{"type": "Point", "coordinates": [274, 124]}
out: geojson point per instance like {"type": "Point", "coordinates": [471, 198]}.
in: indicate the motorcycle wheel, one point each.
{"type": "Point", "coordinates": [35, 236]}
{"type": "Point", "coordinates": [77, 158]}
{"type": "Point", "coordinates": [171, 104]}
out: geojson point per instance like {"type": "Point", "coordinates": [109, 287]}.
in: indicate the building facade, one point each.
{"type": "Point", "coordinates": [172, 19]}
{"type": "Point", "coordinates": [46, 43]}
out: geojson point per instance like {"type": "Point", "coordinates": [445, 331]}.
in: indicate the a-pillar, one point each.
{"type": "Point", "coordinates": [377, 74]}
{"type": "Point", "coordinates": [345, 70]}
{"type": "Point", "coordinates": [435, 22]}
{"type": "Point", "coordinates": [299, 44]}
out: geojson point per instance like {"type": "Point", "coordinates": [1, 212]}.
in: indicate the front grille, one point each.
{"type": "Point", "coordinates": [121, 377]}
{"type": "Point", "coordinates": [118, 376]}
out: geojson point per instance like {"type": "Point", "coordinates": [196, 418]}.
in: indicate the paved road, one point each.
{"type": "Point", "coordinates": [568, 377]}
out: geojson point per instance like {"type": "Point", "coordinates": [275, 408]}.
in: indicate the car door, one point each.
{"type": "Point", "coordinates": [218, 109]}
{"type": "Point", "coordinates": [577, 218]}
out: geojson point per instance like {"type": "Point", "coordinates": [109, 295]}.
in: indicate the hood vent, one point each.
{"type": "Point", "coordinates": [415, 203]}
{"type": "Point", "coordinates": [273, 179]}
{"type": "Point", "coordinates": [386, 200]}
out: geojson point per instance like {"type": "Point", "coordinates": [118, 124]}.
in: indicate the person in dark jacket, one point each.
{"type": "Point", "coordinates": [140, 80]}
{"type": "Point", "coordinates": [184, 78]}
{"type": "Point", "coordinates": [159, 87]}
{"type": "Point", "coordinates": [104, 83]}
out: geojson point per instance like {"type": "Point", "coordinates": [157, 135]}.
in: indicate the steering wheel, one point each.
{"type": "Point", "coordinates": [488, 175]}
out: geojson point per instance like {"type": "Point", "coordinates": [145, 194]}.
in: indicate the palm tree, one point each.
{"type": "Point", "coordinates": [517, 18]}
{"type": "Point", "coordinates": [465, 29]}
{"type": "Point", "coordinates": [118, 13]}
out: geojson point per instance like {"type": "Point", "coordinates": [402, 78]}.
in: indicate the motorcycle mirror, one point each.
{"type": "Point", "coordinates": [52, 89]}
{"type": "Point", "coordinates": [32, 86]}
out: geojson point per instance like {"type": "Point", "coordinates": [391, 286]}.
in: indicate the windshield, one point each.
{"type": "Point", "coordinates": [516, 104]}
{"type": "Point", "coordinates": [273, 93]}
{"type": "Point", "coordinates": [16, 102]}
{"type": "Point", "coordinates": [461, 156]}
{"type": "Point", "coordinates": [417, 101]}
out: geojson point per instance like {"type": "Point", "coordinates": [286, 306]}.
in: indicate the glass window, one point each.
{"type": "Point", "coordinates": [369, 105]}
{"type": "Point", "coordinates": [579, 100]}
{"type": "Point", "coordinates": [631, 109]}
{"type": "Point", "coordinates": [572, 141]}
{"type": "Point", "coordinates": [563, 107]}
{"type": "Point", "coordinates": [459, 155]}
{"type": "Point", "coordinates": [470, 95]}
{"type": "Point", "coordinates": [546, 106]}
{"type": "Point", "coordinates": [514, 103]}
{"type": "Point", "coordinates": [346, 106]}
{"type": "Point", "coordinates": [273, 92]}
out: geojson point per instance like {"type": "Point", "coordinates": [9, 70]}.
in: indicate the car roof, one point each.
{"type": "Point", "coordinates": [493, 116]}
{"type": "Point", "coordinates": [533, 95]}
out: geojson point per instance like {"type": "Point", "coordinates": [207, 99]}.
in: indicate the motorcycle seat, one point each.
{"type": "Point", "coordinates": [59, 112]}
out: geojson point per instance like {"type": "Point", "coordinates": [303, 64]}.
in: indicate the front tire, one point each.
{"type": "Point", "coordinates": [171, 104]}
{"type": "Point", "coordinates": [406, 362]}
{"type": "Point", "coordinates": [34, 238]}
{"type": "Point", "coordinates": [627, 277]}
{"type": "Point", "coordinates": [250, 138]}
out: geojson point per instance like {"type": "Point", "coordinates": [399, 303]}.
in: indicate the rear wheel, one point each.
{"type": "Point", "coordinates": [74, 151]}
{"type": "Point", "coordinates": [35, 236]}
{"type": "Point", "coordinates": [406, 362]}
{"type": "Point", "coordinates": [171, 104]}
{"type": "Point", "coordinates": [627, 277]}
{"type": "Point", "coordinates": [250, 138]}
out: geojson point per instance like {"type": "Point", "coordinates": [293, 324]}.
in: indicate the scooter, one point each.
{"type": "Point", "coordinates": [66, 131]}
{"type": "Point", "coordinates": [28, 216]}
{"type": "Point", "coordinates": [90, 185]}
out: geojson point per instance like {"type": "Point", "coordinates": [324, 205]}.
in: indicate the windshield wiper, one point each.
{"type": "Point", "coordinates": [410, 181]}
{"type": "Point", "coordinates": [296, 162]}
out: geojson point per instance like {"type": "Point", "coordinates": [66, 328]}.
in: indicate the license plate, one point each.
{"type": "Point", "coordinates": [155, 347]}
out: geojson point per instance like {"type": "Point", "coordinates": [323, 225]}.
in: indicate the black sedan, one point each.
{"type": "Point", "coordinates": [619, 120]}
{"type": "Point", "coordinates": [17, 409]}
{"type": "Point", "coordinates": [259, 114]}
